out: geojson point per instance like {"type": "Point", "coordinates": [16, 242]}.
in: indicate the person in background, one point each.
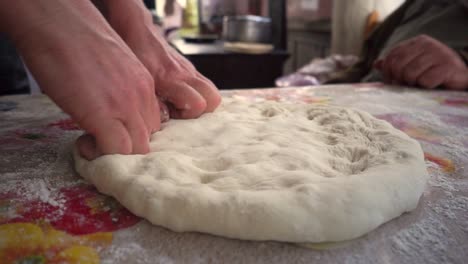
{"type": "Point", "coordinates": [111, 71]}
{"type": "Point", "coordinates": [13, 77]}
{"type": "Point", "coordinates": [423, 43]}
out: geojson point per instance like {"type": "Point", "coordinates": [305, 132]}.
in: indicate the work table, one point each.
{"type": "Point", "coordinates": [46, 207]}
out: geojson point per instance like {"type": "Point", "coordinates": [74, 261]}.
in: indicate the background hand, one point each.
{"type": "Point", "coordinates": [425, 62]}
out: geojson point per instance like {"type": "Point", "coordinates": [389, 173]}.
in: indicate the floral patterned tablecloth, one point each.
{"type": "Point", "coordinates": [48, 214]}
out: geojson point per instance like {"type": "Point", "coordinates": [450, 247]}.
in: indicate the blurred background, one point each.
{"type": "Point", "coordinates": [250, 43]}
{"type": "Point", "coordinates": [303, 41]}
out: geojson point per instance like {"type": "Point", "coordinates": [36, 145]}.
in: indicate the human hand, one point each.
{"type": "Point", "coordinates": [88, 70]}
{"type": "Point", "coordinates": [187, 93]}
{"type": "Point", "coordinates": [425, 62]}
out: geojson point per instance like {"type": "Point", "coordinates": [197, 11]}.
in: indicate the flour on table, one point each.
{"type": "Point", "coordinates": [269, 171]}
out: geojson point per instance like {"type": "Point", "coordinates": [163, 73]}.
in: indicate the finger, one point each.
{"type": "Point", "coordinates": [432, 78]}
{"type": "Point", "coordinates": [199, 83]}
{"type": "Point", "coordinates": [87, 147]}
{"type": "Point", "coordinates": [188, 102]}
{"type": "Point", "coordinates": [402, 61]}
{"type": "Point", "coordinates": [209, 92]}
{"type": "Point", "coordinates": [397, 59]}
{"type": "Point", "coordinates": [458, 80]}
{"type": "Point", "coordinates": [414, 69]}
{"type": "Point", "coordinates": [110, 135]}
{"type": "Point", "coordinates": [186, 64]}
{"type": "Point", "coordinates": [138, 134]}
{"type": "Point", "coordinates": [203, 85]}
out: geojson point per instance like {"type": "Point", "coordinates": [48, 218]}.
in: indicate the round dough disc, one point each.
{"type": "Point", "coordinates": [269, 171]}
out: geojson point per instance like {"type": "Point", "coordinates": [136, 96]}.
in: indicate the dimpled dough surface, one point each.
{"type": "Point", "coordinates": [269, 171]}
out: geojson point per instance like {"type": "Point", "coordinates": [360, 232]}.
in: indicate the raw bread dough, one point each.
{"type": "Point", "coordinates": [269, 171]}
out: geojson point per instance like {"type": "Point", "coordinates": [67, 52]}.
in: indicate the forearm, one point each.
{"type": "Point", "coordinates": [39, 22]}
{"type": "Point", "coordinates": [22, 17]}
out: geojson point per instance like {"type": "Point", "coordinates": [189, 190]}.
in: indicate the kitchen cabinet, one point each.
{"type": "Point", "coordinates": [307, 40]}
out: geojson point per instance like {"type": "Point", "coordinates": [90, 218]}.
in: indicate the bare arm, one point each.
{"type": "Point", "coordinates": [87, 69]}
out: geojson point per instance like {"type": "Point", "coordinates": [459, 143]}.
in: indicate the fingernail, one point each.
{"type": "Point", "coordinates": [87, 147]}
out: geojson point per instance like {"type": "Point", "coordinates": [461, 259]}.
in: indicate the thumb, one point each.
{"type": "Point", "coordinates": [87, 147]}
{"type": "Point", "coordinates": [111, 137]}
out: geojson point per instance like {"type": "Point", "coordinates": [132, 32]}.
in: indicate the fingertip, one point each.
{"type": "Point", "coordinates": [215, 102]}
{"type": "Point", "coordinates": [112, 137]}
{"type": "Point", "coordinates": [193, 109]}
{"type": "Point", "coordinates": [208, 91]}
{"type": "Point", "coordinates": [143, 148]}
{"type": "Point", "coordinates": [87, 147]}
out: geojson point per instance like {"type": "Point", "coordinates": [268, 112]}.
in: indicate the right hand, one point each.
{"type": "Point", "coordinates": [187, 92]}
{"type": "Point", "coordinates": [87, 70]}
{"type": "Point", "coordinates": [425, 62]}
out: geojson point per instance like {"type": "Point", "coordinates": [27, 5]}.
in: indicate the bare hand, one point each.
{"type": "Point", "coordinates": [89, 71]}
{"type": "Point", "coordinates": [187, 93]}
{"type": "Point", "coordinates": [426, 62]}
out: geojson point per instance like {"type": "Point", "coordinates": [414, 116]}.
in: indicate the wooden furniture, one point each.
{"type": "Point", "coordinates": [230, 70]}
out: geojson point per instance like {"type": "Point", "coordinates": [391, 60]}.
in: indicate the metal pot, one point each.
{"type": "Point", "coordinates": [252, 29]}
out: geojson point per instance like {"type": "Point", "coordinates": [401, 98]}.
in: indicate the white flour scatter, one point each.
{"type": "Point", "coordinates": [428, 240]}
{"type": "Point", "coordinates": [45, 194]}
{"type": "Point", "coordinates": [133, 253]}
{"type": "Point", "coordinates": [33, 190]}
{"type": "Point", "coordinates": [451, 208]}
{"type": "Point", "coordinates": [34, 187]}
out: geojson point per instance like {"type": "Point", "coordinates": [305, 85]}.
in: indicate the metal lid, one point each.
{"type": "Point", "coordinates": [258, 19]}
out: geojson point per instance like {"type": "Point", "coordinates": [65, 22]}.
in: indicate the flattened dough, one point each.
{"type": "Point", "coordinates": [269, 171]}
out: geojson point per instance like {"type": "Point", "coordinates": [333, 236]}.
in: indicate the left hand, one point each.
{"type": "Point", "coordinates": [426, 62]}
{"type": "Point", "coordinates": [177, 83]}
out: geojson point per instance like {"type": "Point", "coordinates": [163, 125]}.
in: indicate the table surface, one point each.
{"type": "Point", "coordinates": [47, 210]}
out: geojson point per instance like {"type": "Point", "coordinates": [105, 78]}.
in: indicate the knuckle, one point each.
{"type": "Point", "coordinates": [426, 81]}
{"type": "Point", "coordinates": [409, 75]}
{"type": "Point", "coordinates": [172, 73]}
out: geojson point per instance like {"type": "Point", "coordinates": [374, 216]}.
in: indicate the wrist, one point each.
{"type": "Point", "coordinates": [127, 15]}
